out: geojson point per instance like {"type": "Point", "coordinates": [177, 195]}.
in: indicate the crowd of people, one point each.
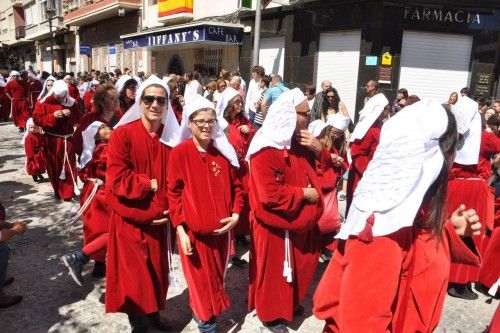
{"type": "Point", "coordinates": [211, 164]}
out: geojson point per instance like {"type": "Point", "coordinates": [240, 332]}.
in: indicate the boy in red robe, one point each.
{"type": "Point", "coordinates": [17, 90]}
{"type": "Point", "coordinates": [285, 203]}
{"type": "Point", "coordinates": [391, 268]}
{"type": "Point", "coordinates": [57, 114]}
{"type": "Point", "coordinates": [364, 141]}
{"type": "Point", "coordinates": [33, 147]}
{"type": "Point", "coordinates": [136, 186]}
{"type": "Point", "coordinates": [205, 197]}
{"type": "Point", "coordinates": [95, 210]}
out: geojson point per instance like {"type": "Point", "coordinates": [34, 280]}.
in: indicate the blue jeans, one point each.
{"type": "Point", "coordinates": [251, 116]}
{"type": "Point", "coordinates": [4, 261]}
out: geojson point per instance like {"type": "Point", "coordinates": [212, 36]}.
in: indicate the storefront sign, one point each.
{"type": "Point", "coordinates": [371, 61]}
{"type": "Point", "coordinates": [84, 49]}
{"type": "Point", "coordinates": [384, 75]}
{"type": "Point", "coordinates": [441, 15]}
{"type": "Point", "coordinates": [386, 59]}
{"type": "Point", "coordinates": [112, 56]}
{"type": "Point", "coordinates": [202, 33]}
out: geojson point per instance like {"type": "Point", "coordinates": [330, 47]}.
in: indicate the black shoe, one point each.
{"type": "Point", "coordinates": [461, 291]}
{"type": "Point", "coordinates": [238, 262]}
{"type": "Point", "coordinates": [8, 281]}
{"type": "Point", "coordinates": [35, 178]}
{"type": "Point", "coordinates": [99, 270]}
{"type": "Point", "coordinates": [41, 179]}
{"type": "Point", "coordinates": [139, 324]}
{"type": "Point", "coordinates": [21, 129]}
{"type": "Point", "coordinates": [75, 265]}
{"type": "Point", "coordinates": [9, 300]}
{"type": "Point", "coordinates": [276, 326]}
{"type": "Point", "coordinates": [157, 323]}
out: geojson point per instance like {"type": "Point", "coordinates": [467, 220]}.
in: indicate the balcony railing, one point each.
{"type": "Point", "coordinates": [20, 32]}
{"type": "Point", "coordinates": [72, 5]}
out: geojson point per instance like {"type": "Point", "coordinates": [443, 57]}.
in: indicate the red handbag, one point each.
{"type": "Point", "coordinates": [330, 219]}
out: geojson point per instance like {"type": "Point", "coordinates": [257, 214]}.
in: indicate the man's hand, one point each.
{"type": "Point", "coordinates": [310, 142]}
{"type": "Point", "coordinates": [164, 220]}
{"type": "Point", "coordinates": [66, 112]}
{"type": "Point", "coordinates": [229, 222]}
{"type": "Point", "coordinates": [244, 129]}
{"type": "Point", "coordinates": [154, 185]}
{"type": "Point", "coordinates": [465, 222]}
{"type": "Point", "coordinates": [58, 114]}
{"type": "Point", "coordinates": [310, 194]}
{"type": "Point", "coordinates": [184, 241]}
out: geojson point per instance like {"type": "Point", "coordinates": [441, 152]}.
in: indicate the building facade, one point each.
{"type": "Point", "coordinates": [431, 49]}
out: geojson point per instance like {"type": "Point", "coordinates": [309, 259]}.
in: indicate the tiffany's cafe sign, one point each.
{"type": "Point", "coordinates": [441, 15]}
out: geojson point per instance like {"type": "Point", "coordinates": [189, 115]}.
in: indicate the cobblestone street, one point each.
{"type": "Point", "coordinates": [54, 303]}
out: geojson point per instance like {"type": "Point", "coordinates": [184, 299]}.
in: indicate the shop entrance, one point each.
{"type": "Point", "coordinates": [176, 66]}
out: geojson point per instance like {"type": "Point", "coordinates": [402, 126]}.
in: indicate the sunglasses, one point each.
{"type": "Point", "coordinates": [330, 96]}
{"type": "Point", "coordinates": [149, 100]}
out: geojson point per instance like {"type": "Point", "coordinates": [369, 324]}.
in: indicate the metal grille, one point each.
{"type": "Point", "coordinates": [213, 59]}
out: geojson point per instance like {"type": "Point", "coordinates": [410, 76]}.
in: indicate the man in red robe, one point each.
{"type": "Point", "coordinates": [136, 185]}
{"type": "Point", "coordinates": [17, 90]}
{"type": "Point", "coordinates": [285, 207]}
{"type": "Point", "coordinates": [4, 101]}
{"type": "Point", "coordinates": [57, 114]}
{"type": "Point", "coordinates": [35, 89]}
{"type": "Point", "coordinates": [364, 140]}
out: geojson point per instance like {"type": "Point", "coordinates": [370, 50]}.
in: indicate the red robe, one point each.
{"type": "Point", "coordinates": [88, 102]}
{"type": "Point", "coordinates": [203, 188]}
{"type": "Point", "coordinates": [490, 146]}
{"type": "Point", "coordinates": [35, 160]}
{"type": "Point", "coordinates": [137, 264]}
{"type": "Point", "coordinates": [75, 94]}
{"type": "Point", "coordinates": [365, 286]}
{"type": "Point", "coordinates": [177, 107]}
{"type": "Point", "coordinates": [54, 145]}
{"type": "Point", "coordinates": [4, 105]}
{"type": "Point", "coordinates": [96, 217]}
{"type": "Point", "coordinates": [35, 90]}
{"type": "Point", "coordinates": [19, 92]}
{"type": "Point", "coordinates": [88, 119]}
{"type": "Point", "coordinates": [361, 153]}
{"type": "Point", "coordinates": [241, 142]}
{"type": "Point", "coordinates": [277, 204]}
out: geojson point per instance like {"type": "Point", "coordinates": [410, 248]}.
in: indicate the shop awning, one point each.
{"type": "Point", "coordinates": [200, 32]}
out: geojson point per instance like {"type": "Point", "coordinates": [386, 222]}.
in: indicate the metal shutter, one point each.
{"type": "Point", "coordinates": [433, 65]}
{"type": "Point", "coordinates": [338, 61]}
{"type": "Point", "coordinates": [272, 55]}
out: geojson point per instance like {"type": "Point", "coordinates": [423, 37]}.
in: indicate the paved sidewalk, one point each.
{"type": "Point", "coordinates": [54, 303]}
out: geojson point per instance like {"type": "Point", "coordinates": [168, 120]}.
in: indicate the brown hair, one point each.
{"type": "Point", "coordinates": [229, 109]}
{"type": "Point", "coordinates": [194, 114]}
{"type": "Point", "coordinates": [100, 95]}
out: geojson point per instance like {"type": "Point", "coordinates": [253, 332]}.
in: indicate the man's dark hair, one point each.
{"type": "Point", "coordinates": [465, 91]}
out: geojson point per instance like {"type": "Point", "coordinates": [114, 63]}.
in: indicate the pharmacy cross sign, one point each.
{"type": "Point", "coordinates": [192, 34]}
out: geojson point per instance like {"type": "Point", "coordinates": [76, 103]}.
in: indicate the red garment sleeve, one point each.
{"type": "Point", "coordinates": [362, 150]}
{"type": "Point", "coordinates": [29, 148]}
{"type": "Point", "coordinates": [123, 181]}
{"type": "Point", "coordinates": [175, 185]}
{"type": "Point", "coordinates": [490, 144]}
{"type": "Point", "coordinates": [459, 252]}
{"type": "Point", "coordinates": [273, 193]}
{"type": "Point", "coordinates": [237, 189]}
{"type": "Point", "coordinates": [44, 117]}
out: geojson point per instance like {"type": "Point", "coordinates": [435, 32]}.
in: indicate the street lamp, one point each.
{"type": "Point", "coordinates": [50, 9]}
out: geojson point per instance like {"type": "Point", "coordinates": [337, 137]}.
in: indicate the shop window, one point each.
{"type": "Point", "coordinates": [176, 66]}
{"type": "Point", "coordinates": [246, 4]}
{"type": "Point", "coordinates": [213, 60]}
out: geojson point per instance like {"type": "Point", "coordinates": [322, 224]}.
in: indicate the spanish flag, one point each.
{"type": "Point", "coordinates": [170, 7]}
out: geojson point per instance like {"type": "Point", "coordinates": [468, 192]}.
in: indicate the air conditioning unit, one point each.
{"type": "Point", "coordinates": [20, 32]}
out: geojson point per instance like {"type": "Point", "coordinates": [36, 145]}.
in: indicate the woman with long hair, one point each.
{"type": "Point", "coordinates": [391, 269]}
{"type": "Point", "coordinates": [331, 103]}
{"type": "Point", "coordinates": [127, 94]}
{"type": "Point", "coordinates": [453, 98]}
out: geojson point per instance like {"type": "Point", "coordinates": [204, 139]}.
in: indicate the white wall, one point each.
{"type": "Point", "coordinates": [208, 8]}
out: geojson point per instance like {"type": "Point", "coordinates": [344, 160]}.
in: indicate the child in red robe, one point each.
{"type": "Point", "coordinates": [391, 268]}
{"type": "Point", "coordinates": [94, 209]}
{"type": "Point", "coordinates": [205, 198]}
{"type": "Point", "coordinates": [33, 146]}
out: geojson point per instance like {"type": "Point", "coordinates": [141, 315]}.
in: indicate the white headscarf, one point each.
{"type": "Point", "coordinates": [29, 122]}
{"type": "Point", "coordinates": [198, 102]}
{"type": "Point", "coordinates": [406, 163]}
{"type": "Point", "coordinates": [44, 89]}
{"type": "Point", "coordinates": [170, 132]}
{"type": "Point", "coordinates": [339, 121]}
{"type": "Point", "coordinates": [468, 119]}
{"type": "Point", "coordinates": [369, 115]}
{"type": "Point", "coordinates": [95, 83]}
{"type": "Point", "coordinates": [2, 82]}
{"type": "Point", "coordinates": [228, 94]}
{"type": "Point", "coordinates": [279, 125]}
{"type": "Point", "coordinates": [316, 127]}
{"type": "Point", "coordinates": [14, 73]}
{"type": "Point", "coordinates": [88, 136]}
{"type": "Point", "coordinates": [120, 83]}
{"type": "Point", "coordinates": [60, 89]}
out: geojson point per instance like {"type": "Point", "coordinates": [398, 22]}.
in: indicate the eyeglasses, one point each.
{"type": "Point", "coordinates": [222, 86]}
{"type": "Point", "coordinates": [328, 96]}
{"type": "Point", "coordinates": [132, 87]}
{"type": "Point", "coordinates": [203, 122]}
{"type": "Point", "coordinates": [149, 100]}
{"type": "Point", "coordinates": [239, 102]}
